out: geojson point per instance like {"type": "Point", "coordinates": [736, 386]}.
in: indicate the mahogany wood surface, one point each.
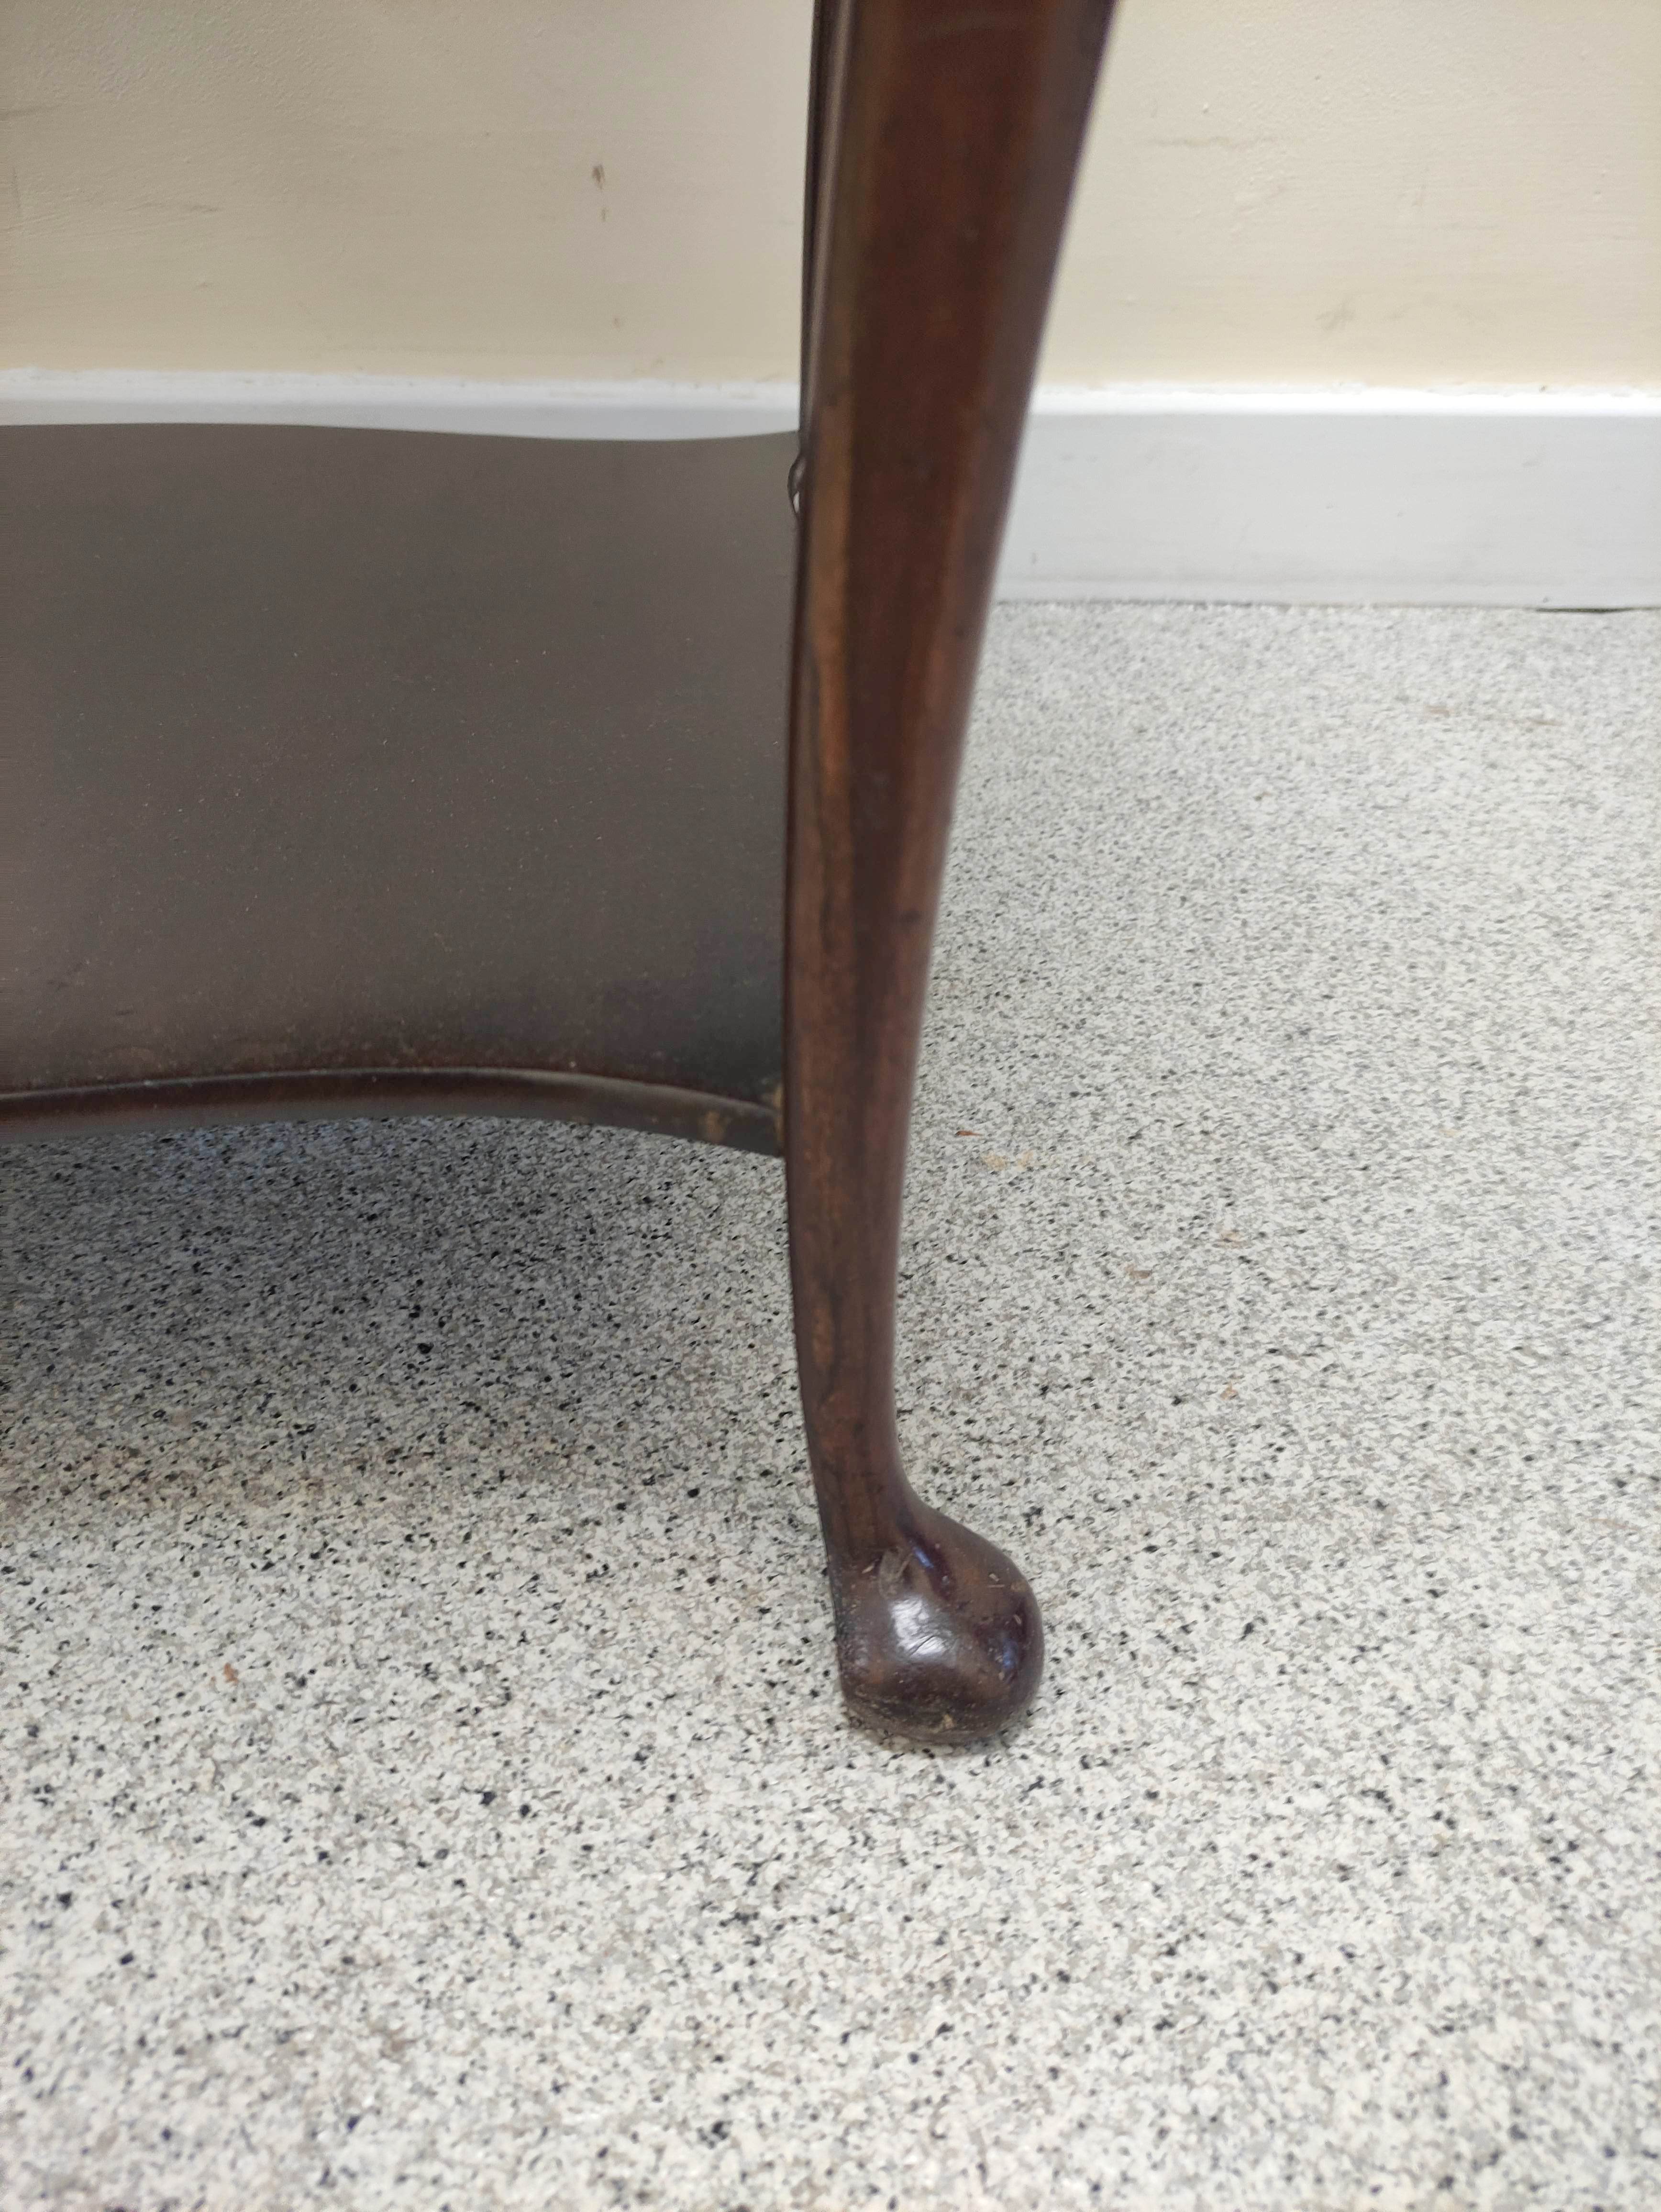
{"type": "Point", "coordinates": [391, 754]}
{"type": "Point", "coordinates": [349, 771]}
{"type": "Point", "coordinates": [946, 142]}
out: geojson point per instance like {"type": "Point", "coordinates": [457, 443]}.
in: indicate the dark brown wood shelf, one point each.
{"type": "Point", "coordinates": [437, 770]}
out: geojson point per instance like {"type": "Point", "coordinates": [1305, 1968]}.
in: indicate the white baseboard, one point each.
{"type": "Point", "coordinates": [521, 408]}
{"type": "Point", "coordinates": [1509, 498]}
{"type": "Point", "coordinates": [1429, 498]}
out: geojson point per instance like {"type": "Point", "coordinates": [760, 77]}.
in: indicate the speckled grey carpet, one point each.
{"type": "Point", "coordinates": [425, 1785]}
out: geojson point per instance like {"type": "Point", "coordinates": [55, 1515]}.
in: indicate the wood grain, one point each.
{"type": "Point", "coordinates": [946, 141]}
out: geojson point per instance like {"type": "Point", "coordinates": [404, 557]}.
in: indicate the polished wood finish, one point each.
{"type": "Point", "coordinates": [947, 142]}
{"type": "Point", "coordinates": [505, 1094]}
{"type": "Point", "coordinates": [359, 772]}
{"type": "Point", "coordinates": [394, 759]}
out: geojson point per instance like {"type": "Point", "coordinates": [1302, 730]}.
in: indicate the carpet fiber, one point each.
{"type": "Point", "coordinates": [425, 1783]}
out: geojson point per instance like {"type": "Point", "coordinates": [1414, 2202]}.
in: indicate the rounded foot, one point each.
{"type": "Point", "coordinates": [940, 1639]}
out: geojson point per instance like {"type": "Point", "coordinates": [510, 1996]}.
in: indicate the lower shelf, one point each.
{"type": "Point", "coordinates": [401, 764]}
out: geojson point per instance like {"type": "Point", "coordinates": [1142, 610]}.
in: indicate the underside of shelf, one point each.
{"type": "Point", "coordinates": [386, 770]}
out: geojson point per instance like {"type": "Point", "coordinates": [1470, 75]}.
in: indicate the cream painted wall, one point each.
{"type": "Point", "coordinates": [1392, 191]}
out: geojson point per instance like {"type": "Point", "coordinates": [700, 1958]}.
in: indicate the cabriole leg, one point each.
{"type": "Point", "coordinates": [945, 138]}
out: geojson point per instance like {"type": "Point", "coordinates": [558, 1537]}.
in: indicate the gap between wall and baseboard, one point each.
{"type": "Point", "coordinates": [1302, 494]}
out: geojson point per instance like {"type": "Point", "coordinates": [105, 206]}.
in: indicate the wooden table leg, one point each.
{"type": "Point", "coordinates": [946, 138]}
